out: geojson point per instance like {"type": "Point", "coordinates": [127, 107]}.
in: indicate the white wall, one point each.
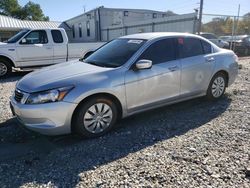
{"type": "Point", "coordinates": [115, 24]}
{"type": "Point", "coordinates": [83, 19]}
{"type": "Point", "coordinates": [179, 23]}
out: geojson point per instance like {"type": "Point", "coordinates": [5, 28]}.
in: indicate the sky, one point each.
{"type": "Point", "coordinates": [61, 10]}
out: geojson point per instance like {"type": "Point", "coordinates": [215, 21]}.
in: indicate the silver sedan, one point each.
{"type": "Point", "coordinates": [128, 75]}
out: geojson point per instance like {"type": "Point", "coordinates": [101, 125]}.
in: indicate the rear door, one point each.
{"type": "Point", "coordinates": [35, 49]}
{"type": "Point", "coordinates": [197, 63]}
{"type": "Point", "coordinates": [60, 46]}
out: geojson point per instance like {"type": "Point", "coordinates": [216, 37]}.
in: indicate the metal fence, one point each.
{"type": "Point", "coordinates": [178, 23]}
{"type": "Point", "coordinates": [226, 24]}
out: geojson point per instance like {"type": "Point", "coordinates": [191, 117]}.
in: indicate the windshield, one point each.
{"type": "Point", "coordinates": [17, 37]}
{"type": "Point", "coordinates": [116, 53]}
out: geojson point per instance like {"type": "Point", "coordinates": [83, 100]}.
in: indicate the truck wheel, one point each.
{"type": "Point", "coordinates": [217, 86]}
{"type": "Point", "coordinates": [95, 117]}
{"type": "Point", "coordinates": [5, 68]}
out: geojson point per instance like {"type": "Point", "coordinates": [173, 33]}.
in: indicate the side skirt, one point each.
{"type": "Point", "coordinates": [162, 103]}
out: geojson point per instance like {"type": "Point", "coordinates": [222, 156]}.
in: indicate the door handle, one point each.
{"type": "Point", "coordinates": [173, 68]}
{"type": "Point", "coordinates": [210, 59]}
{"type": "Point", "coordinates": [48, 48]}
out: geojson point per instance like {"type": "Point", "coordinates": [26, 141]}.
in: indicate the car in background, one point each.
{"type": "Point", "coordinates": [33, 48]}
{"type": "Point", "coordinates": [225, 38]}
{"type": "Point", "coordinates": [126, 76]}
{"type": "Point", "coordinates": [240, 44]}
{"type": "Point", "coordinates": [214, 39]}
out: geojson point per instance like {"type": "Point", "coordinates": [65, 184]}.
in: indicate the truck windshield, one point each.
{"type": "Point", "coordinates": [18, 36]}
{"type": "Point", "coordinates": [115, 53]}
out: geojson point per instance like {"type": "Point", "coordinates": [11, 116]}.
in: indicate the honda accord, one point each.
{"type": "Point", "coordinates": [127, 75]}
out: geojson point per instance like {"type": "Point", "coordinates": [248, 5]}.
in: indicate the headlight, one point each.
{"type": "Point", "coordinates": [49, 96]}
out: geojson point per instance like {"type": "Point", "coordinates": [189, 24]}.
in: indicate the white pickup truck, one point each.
{"type": "Point", "coordinates": [42, 47]}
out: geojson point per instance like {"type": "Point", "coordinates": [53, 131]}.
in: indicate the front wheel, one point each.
{"type": "Point", "coordinates": [217, 86]}
{"type": "Point", "coordinates": [95, 117]}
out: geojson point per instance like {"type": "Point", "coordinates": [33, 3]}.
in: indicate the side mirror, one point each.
{"type": "Point", "coordinates": [87, 54]}
{"type": "Point", "coordinates": [144, 64]}
{"type": "Point", "coordinates": [24, 41]}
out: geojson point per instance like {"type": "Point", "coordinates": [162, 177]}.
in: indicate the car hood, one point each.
{"type": "Point", "coordinates": [5, 45]}
{"type": "Point", "coordinates": [61, 75]}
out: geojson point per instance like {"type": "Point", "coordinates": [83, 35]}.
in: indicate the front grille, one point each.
{"type": "Point", "coordinates": [18, 95]}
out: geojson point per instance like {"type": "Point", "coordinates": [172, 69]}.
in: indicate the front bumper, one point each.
{"type": "Point", "coordinates": [48, 119]}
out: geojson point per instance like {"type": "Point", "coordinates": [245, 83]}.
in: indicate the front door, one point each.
{"type": "Point", "coordinates": [35, 49]}
{"type": "Point", "coordinates": [149, 87]}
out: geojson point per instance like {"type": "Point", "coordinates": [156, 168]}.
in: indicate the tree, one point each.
{"type": "Point", "coordinates": [170, 13]}
{"type": "Point", "coordinates": [10, 8]}
{"type": "Point", "coordinates": [224, 26]}
{"type": "Point", "coordinates": [31, 11]}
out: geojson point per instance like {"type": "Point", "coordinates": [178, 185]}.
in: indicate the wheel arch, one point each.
{"type": "Point", "coordinates": [225, 73]}
{"type": "Point", "coordinates": [105, 95]}
{"type": "Point", "coordinates": [7, 59]}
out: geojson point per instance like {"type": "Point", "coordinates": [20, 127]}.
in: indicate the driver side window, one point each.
{"type": "Point", "coordinates": [35, 37]}
{"type": "Point", "coordinates": [160, 52]}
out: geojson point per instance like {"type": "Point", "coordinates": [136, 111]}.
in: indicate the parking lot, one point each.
{"type": "Point", "coordinates": [197, 143]}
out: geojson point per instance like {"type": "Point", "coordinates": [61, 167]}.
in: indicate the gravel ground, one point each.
{"type": "Point", "coordinates": [197, 143]}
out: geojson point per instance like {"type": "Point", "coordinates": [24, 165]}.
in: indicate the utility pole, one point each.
{"type": "Point", "coordinates": [238, 18]}
{"type": "Point", "coordinates": [200, 16]}
{"type": "Point", "coordinates": [235, 28]}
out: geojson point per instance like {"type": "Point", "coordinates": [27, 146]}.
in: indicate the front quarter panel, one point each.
{"type": "Point", "coordinates": [111, 82]}
{"type": "Point", "coordinates": [9, 51]}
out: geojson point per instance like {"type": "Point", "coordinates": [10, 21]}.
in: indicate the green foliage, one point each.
{"type": "Point", "coordinates": [31, 11]}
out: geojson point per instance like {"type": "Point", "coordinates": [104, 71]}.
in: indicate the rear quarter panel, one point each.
{"type": "Point", "coordinates": [225, 61]}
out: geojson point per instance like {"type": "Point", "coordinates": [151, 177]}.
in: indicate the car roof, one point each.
{"type": "Point", "coordinates": [203, 33]}
{"type": "Point", "coordinates": [151, 36]}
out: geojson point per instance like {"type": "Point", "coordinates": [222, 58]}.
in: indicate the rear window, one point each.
{"type": "Point", "coordinates": [206, 47]}
{"type": "Point", "coordinates": [189, 47]}
{"type": "Point", "coordinates": [57, 36]}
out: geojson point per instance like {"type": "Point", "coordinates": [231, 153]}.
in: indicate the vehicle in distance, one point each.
{"type": "Point", "coordinates": [36, 48]}
{"type": "Point", "coordinates": [214, 39]}
{"type": "Point", "coordinates": [240, 44]}
{"type": "Point", "coordinates": [128, 75]}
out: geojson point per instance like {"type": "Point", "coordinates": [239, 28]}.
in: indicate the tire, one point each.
{"type": "Point", "coordinates": [5, 68]}
{"type": "Point", "coordinates": [217, 86]}
{"type": "Point", "coordinates": [95, 117]}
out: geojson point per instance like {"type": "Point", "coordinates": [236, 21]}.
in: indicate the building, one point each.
{"type": "Point", "coordinates": [10, 26]}
{"type": "Point", "coordinates": [104, 24]}
{"type": "Point", "coordinates": [89, 26]}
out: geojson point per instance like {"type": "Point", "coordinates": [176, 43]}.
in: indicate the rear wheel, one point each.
{"type": "Point", "coordinates": [95, 117]}
{"type": "Point", "coordinates": [5, 68]}
{"type": "Point", "coordinates": [217, 86]}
